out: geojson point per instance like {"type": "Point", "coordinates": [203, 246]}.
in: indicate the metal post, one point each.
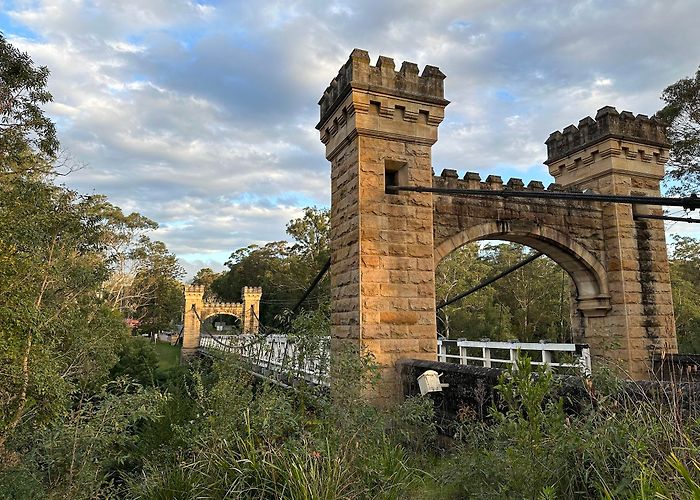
{"type": "Point", "coordinates": [585, 361]}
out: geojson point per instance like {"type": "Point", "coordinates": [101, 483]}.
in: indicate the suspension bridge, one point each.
{"type": "Point", "coordinates": [393, 220]}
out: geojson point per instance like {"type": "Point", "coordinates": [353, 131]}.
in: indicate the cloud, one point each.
{"type": "Point", "coordinates": [201, 115]}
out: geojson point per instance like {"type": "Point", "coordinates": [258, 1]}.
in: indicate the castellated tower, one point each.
{"type": "Point", "coordinates": [197, 310]}
{"type": "Point", "coordinates": [250, 297]}
{"type": "Point", "coordinates": [378, 126]}
{"type": "Point", "coordinates": [623, 154]}
{"type": "Point", "coordinates": [194, 302]}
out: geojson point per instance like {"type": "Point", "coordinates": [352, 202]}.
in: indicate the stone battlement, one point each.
{"type": "Point", "coordinates": [608, 123]}
{"type": "Point", "coordinates": [472, 180]}
{"type": "Point", "coordinates": [194, 288]}
{"type": "Point", "coordinates": [222, 304]}
{"type": "Point", "coordinates": [251, 290]}
{"type": "Point", "coordinates": [359, 74]}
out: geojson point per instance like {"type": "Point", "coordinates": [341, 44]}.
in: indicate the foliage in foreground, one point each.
{"type": "Point", "coordinates": [615, 448]}
{"type": "Point", "coordinates": [214, 431]}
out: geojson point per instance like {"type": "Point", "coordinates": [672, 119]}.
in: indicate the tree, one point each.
{"type": "Point", "coordinates": [283, 270]}
{"type": "Point", "coordinates": [205, 277]}
{"type": "Point", "coordinates": [685, 285]}
{"type": "Point", "coordinates": [56, 334]}
{"type": "Point", "coordinates": [27, 137]}
{"type": "Point", "coordinates": [682, 114]}
{"type": "Point", "coordinates": [157, 285]}
{"type": "Point", "coordinates": [267, 266]}
{"type": "Point", "coordinates": [60, 333]}
{"type": "Point", "coordinates": [523, 305]}
{"type": "Point", "coordinates": [311, 234]}
{"type": "Point", "coordinates": [144, 276]}
{"type": "Point", "coordinates": [536, 295]}
{"type": "Point", "coordinates": [476, 316]}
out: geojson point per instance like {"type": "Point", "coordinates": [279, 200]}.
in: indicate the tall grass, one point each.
{"type": "Point", "coordinates": [617, 446]}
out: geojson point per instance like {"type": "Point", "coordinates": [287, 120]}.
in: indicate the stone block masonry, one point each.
{"type": "Point", "coordinates": [378, 126]}
{"type": "Point", "coordinates": [197, 310]}
{"type": "Point", "coordinates": [624, 154]}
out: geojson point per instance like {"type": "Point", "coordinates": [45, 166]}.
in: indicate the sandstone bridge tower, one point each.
{"type": "Point", "coordinates": [378, 126]}
{"type": "Point", "coordinates": [197, 310]}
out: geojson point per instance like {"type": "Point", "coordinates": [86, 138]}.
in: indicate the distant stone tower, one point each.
{"type": "Point", "coordinates": [623, 154]}
{"type": "Point", "coordinates": [191, 325]}
{"type": "Point", "coordinates": [251, 296]}
{"type": "Point", "coordinates": [378, 126]}
{"type": "Point", "coordinates": [197, 310]}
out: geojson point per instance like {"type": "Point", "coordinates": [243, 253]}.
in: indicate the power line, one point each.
{"type": "Point", "coordinates": [689, 202]}
{"type": "Point", "coordinates": [488, 281]}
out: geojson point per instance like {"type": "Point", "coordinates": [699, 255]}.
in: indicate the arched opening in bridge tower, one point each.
{"type": "Point", "coordinates": [221, 324]}
{"type": "Point", "coordinates": [530, 304]}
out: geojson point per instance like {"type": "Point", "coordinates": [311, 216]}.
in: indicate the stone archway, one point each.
{"type": "Point", "coordinates": [378, 126]}
{"type": "Point", "coordinates": [212, 317]}
{"type": "Point", "coordinates": [588, 274]}
{"type": "Point", "coordinates": [197, 310]}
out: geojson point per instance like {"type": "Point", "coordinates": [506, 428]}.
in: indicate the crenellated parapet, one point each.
{"type": "Point", "coordinates": [383, 78]}
{"type": "Point", "coordinates": [194, 289]}
{"type": "Point", "coordinates": [608, 123]}
{"type": "Point", "coordinates": [613, 143]}
{"type": "Point", "coordinates": [222, 305]}
{"type": "Point", "coordinates": [472, 180]}
{"type": "Point", "coordinates": [381, 102]}
{"type": "Point", "coordinates": [251, 291]}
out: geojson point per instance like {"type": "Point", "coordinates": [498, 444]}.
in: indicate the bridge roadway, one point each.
{"type": "Point", "coordinates": [290, 359]}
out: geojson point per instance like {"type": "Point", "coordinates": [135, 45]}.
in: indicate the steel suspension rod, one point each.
{"type": "Point", "coordinates": [490, 280]}
{"type": "Point", "coordinates": [313, 284]}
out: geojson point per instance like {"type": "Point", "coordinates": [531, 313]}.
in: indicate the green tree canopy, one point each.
{"type": "Point", "coordinates": [685, 282]}
{"type": "Point", "coordinates": [60, 327]}
{"type": "Point", "coordinates": [682, 114]}
{"type": "Point", "coordinates": [27, 136]}
{"type": "Point", "coordinates": [532, 303]}
{"type": "Point", "coordinates": [283, 270]}
{"type": "Point", "coordinates": [56, 333]}
{"type": "Point", "coordinates": [205, 277]}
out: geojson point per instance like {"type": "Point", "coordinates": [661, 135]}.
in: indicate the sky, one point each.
{"type": "Point", "coordinates": [201, 115]}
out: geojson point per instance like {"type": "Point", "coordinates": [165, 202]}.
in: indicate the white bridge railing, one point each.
{"type": "Point", "coordinates": [500, 354]}
{"type": "Point", "coordinates": [296, 358]}
{"type": "Point", "coordinates": [278, 354]}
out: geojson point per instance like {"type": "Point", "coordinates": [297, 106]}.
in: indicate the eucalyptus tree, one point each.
{"type": "Point", "coordinates": [682, 114]}
{"type": "Point", "coordinates": [28, 139]}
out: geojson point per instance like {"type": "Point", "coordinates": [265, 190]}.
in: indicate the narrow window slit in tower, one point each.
{"type": "Point", "coordinates": [395, 174]}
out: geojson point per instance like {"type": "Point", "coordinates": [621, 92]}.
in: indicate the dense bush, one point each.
{"type": "Point", "coordinates": [215, 431]}
{"type": "Point", "coordinates": [614, 448]}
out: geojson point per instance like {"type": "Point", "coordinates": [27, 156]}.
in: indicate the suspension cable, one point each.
{"type": "Point", "coordinates": [488, 281]}
{"type": "Point", "coordinates": [689, 202]}
{"type": "Point", "coordinates": [668, 217]}
{"type": "Point", "coordinates": [313, 284]}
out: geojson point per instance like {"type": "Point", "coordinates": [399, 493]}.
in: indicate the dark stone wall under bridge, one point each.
{"type": "Point", "coordinates": [472, 389]}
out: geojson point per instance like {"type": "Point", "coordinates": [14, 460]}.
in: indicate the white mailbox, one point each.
{"type": "Point", "coordinates": [429, 381]}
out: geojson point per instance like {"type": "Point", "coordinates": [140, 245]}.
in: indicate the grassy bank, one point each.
{"type": "Point", "coordinates": [168, 355]}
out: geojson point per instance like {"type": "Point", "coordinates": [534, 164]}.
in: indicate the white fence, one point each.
{"type": "Point", "coordinates": [278, 354]}
{"type": "Point", "coordinates": [500, 354]}
{"type": "Point", "coordinates": [309, 359]}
